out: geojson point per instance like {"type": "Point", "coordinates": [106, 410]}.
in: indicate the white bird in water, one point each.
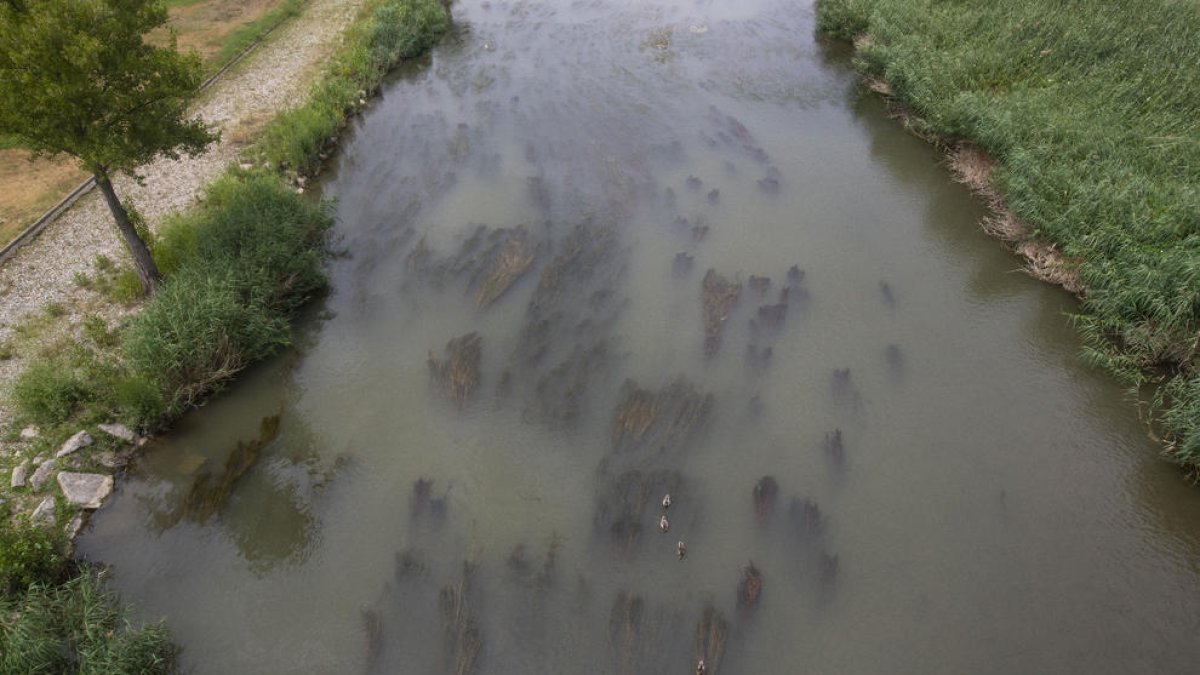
{"type": "Point", "coordinates": [663, 524]}
{"type": "Point", "coordinates": [700, 669]}
{"type": "Point", "coordinates": [681, 549]}
{"type": "Point", "coordinates": [667, 501]}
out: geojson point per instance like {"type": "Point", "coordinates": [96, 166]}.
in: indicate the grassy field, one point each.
{"type": "Point", "coordinates": [1091, 111]}
{"type": "Point", "coordinates": [217, 29]}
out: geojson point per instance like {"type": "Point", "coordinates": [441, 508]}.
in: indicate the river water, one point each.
{"type": "Point", "coordinates": [950, 490]}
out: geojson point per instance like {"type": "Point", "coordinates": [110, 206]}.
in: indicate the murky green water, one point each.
{"type": "Point", "coordinates": [994, 506]}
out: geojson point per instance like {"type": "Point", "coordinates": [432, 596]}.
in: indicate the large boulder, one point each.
{"type": "Point", "coordinates": [86, 490]}
{"type": "Point", "coordinates": [74, 443]}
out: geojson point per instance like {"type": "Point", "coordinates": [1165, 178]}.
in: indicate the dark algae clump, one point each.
{"type": "Point", "coordinates": [457, 373]}
{"type": "Point", "coordinates": [717, 298]}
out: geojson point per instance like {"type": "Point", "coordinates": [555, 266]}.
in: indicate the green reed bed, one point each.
{"type": "Point", "coordinates": [57, 617]}
{"type": "Point", "coordinates": [386, 32]}
{"type": "Point", "coordinates": [1091, 110]}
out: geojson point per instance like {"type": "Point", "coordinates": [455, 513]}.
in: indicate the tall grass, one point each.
{"type": "Point", "coordinates": [78, 627]}
{"type": "Point", "coordinates": [387, 31]}
{"type": "Point", "coordinates": [1091, 109]}
{"type": "Point", "coordinates": [56, 617]}
{"type": "Point", "coordinates": [239, 268]}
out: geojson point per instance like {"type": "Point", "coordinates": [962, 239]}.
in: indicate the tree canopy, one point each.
{"type": "Point", "coordinates": [78, 77]}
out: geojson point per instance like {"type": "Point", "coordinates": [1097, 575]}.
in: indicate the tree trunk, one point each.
{"type": "Point", "coordinates": [143, 262]}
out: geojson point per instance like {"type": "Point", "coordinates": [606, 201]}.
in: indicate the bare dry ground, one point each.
{"type": "Point", "coordinates": [28, 189]}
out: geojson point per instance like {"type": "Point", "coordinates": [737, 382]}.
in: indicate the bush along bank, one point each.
{"type": "Point", "coordinates": [390, 31]}
{"type": "Point", "coordinates": [236, 269]}
{"type": "Point", "coordinates": [1086, 116]}
{"type": "Point", "coordinates": [57, 617]}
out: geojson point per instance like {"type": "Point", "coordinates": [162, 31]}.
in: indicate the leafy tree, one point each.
{"type": "Point", "coordinates": [77, 77]}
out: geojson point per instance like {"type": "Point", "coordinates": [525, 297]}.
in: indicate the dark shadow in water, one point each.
{"type": "Point", "coordinates": [565, 347]}
{"type": "Point", "coordinates": [271, 477]}
{"type": "Point", "coordinates": [650, 433]}
{"type": "Point", "coordinates": [394, 641]}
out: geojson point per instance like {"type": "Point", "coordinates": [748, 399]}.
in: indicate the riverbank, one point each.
{"type": "Point", "coordinates": [236, 267]}
{"type": "Point", "coordinates": [240, 262]}
{"type": "Point", "coordinates": [1080, 125]}
{"type": "Point", "coordinates": [51, 271]}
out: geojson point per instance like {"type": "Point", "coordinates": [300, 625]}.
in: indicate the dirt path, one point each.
{"type": "Point", "coordinates": [272, 79]}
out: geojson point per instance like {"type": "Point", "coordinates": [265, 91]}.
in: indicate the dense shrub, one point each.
{"type": "Point", "coordinates": [198, 332]}
{"type": "Point", "coordinates": [56, 617]}
{"type": "Point", "coordinates": [72, 383]}
{"type": "Point", "coordinates": [241, 266]}
{"type": "Point", "coordinates": [139, 400]}
{"type": "Point", "coordinates": [78, 627]}
{"type": "Point", "coordinates": [393, 30]}
{"type": "Point", "coordinates": [29, 555]}
{"type": "Point", "coordinates": [270, 237]}
{"type": "Point", "coordinates": [844, 19]}
{"type": "Point", "coordinates": [48, 392]}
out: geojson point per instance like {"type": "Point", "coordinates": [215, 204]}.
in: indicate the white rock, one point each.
{"type": "Point", "coordinates": [42, 473]}
{"type": "Point", "coordinates": [74, 443]}
{"type": "Point", "coordinates": [119, 431]}
{"type": "Point", "coordinates": [29, 433]}
{"type": "Point", "coordinates": [85, 489]}
{"type": "Point", "coordinates": [44, 513]}
{"type": "Point", "coordinates": [18, 475]}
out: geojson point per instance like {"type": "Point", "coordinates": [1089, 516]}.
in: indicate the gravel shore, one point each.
{"type": "Point", "coordinates": [272, 79]}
